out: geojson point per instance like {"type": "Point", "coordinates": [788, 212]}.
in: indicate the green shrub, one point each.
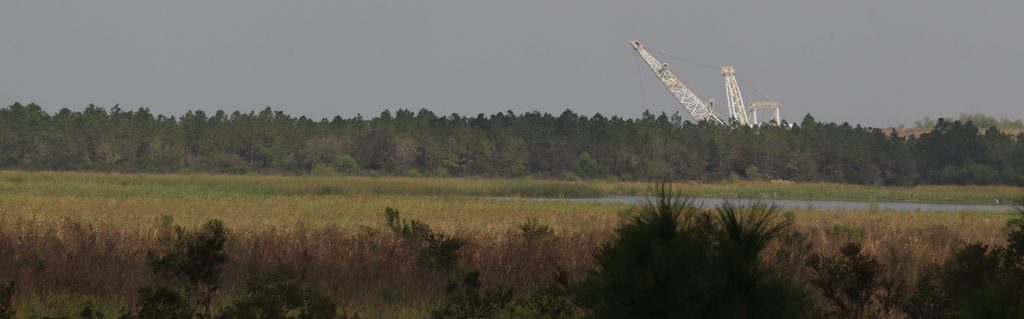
{"type": "Point", "coordinates": [590, 167]}
{"type": "Point", "coordinates": [440, 172]}
{"type": "Point", "coordinates": [855, 285]}
{"type": "Point", "coordinates": [440, 250]}
{"type": "Point", "coordinates": [552, 302]}
{"type": "Point", "coordinates": [570, 175]}
{"type": "Point", "coordinates": [187, 273]}
{"type": "Point", "coordinates": [978, 281]}
{"type": "Point", "coordinates": [162, 302]}
{"type": "Point", "coordinates": [345, 164]}
{"type": "Point", "coordinates": [533, 231]}
{"type": "Point", "coordinates": [673, 260]}
{"type": "Point", "coordinates": [412, 172]}
{"type": "Point", "coordinates": [7, 301]}
{"type": "Point", "coordinates": [470, 300]}
{"type": "Point", "coordinates": [89, 313]}
{"type": "Point", "coordinates": [321, 170]}
{"type": "Point", "coordinates": [279, 295]}
{"type": "Point", "coordinates": [433, 248]}
{"type": "Point", "coordinates": [844, 232]}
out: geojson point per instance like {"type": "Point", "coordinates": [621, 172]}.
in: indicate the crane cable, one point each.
{"type": "Point", "coordinates": [640, 77]}
{"type": "Point", "coordinates": [685, 60]}
{"type": "Point", "coordinates": [751, 86]}
{"type": "Point", "coordinates": [709, 66]}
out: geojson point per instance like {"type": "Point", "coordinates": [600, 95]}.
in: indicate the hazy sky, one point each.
{"type": "Point", "coordinates": [877, 62]}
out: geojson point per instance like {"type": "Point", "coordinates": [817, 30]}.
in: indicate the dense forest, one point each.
{"type": "Point", "coordinates": [568, 145]}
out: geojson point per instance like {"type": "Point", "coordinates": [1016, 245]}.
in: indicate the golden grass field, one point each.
{"type": "Point", "coordinates": [68, 238]}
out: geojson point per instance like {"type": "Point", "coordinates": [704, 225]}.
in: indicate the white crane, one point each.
{"type": "Point", "coordinates": [737, 111]}
{"type": "Point", "coordinates": [701, 109]}
{"type": "Point", "coordinates": [695, 105]}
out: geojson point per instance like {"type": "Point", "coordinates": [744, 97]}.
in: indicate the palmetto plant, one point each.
{"type": "Point", "coordinates": [676, 260]}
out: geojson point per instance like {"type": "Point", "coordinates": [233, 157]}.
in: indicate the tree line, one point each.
{"type": "Point", "coordinates": [568, 145]}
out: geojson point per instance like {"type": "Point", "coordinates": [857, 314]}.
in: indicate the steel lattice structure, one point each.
{"type": "Point", "coordinates": [695, 105]}
{"type": "Point", "coordinates": [737, 111]}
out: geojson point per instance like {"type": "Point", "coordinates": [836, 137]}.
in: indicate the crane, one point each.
{"type": "Point", "coordinates": [695, 105]}
{"type": "Point", "coordinates": [737, 111]}
{"type": "Point", "coordinates": [701, 109]}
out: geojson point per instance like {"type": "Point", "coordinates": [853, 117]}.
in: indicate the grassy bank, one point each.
{"type": "Point", "coordinates": [210, 187]}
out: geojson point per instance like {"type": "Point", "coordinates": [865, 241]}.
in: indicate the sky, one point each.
{"type": "Point", "coordinates": [871, 62]}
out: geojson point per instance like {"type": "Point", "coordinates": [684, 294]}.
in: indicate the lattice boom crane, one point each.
{"type": "Point", "coordinates": [737, 110]}
{"type": "Point", "coordinates": [695, 105]}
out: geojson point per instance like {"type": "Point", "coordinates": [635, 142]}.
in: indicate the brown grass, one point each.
{"type": "Point", "coordinates": [374, 272]}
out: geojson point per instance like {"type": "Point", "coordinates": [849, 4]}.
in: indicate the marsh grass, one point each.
{"type": "Point", "coordinates": [373, 272]}
{"type": "Point", "coordinates": [196, 186]}
{"type": "Point", "coordinates": [76, 238]}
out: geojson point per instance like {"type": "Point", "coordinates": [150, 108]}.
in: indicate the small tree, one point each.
{"type": "Point", "coordinates": [433, 248]}
{"type": "Point", "coordinates": [188, 274]}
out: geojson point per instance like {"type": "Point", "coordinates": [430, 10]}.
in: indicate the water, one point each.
{"type": "Point", "coordinates": [821, 205]}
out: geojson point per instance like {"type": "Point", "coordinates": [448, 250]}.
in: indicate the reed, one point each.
{"type": "Point", "coordinates": [74, 238]}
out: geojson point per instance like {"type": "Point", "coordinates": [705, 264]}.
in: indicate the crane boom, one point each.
{"type": "Point", "coordinates": [737, 111]}
{"type": "Point", "coordinates": [690, 101]}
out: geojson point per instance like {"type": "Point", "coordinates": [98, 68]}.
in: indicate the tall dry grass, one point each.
{"type": "Point", "coordinates": [84, 236]}
{"type": "Point", "coordinates": [372, 271]}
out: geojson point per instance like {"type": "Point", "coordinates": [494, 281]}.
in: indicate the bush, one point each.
{"type": "Point", "coordinates": [188, 274]}
{"type": "Point", "coordinates": [844, 232]}
{"type": "Point", "coordinates": [163, 303]}
{"type": "Point", "coordinates": [533, 231]}
{"type": "Point", "coordinates": [412, 172]}
{"type": "Point", "coordinates": [855, 285]}
{"type": "Point", "coordinates": [440, 172]}
{"type": "Point", "coordinates": [570, 175]}
{"type": "Point", "coordinates": [433, 248]}
{"type": "Point", "coordinates": [552, 302]}
{"type": "Point", "coordinates": [470, 300]}
{"type": "Point", "coordinates": [978, 281]}
{"type": "Point", "coordinates": [7, 301]}
{"type": "Point", "coordinates": [280, 295]}
{"type": "Point", "coordinates": [321, 170]}
{"type": "Point", "coordinates": [673, 260]}
{"type": "Point", "coordinates": [345, 164]}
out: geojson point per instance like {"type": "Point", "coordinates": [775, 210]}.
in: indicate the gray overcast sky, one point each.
{"type": "Point", "coordinates": [876, 62]}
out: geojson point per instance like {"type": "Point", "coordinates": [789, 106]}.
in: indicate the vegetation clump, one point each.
{"type": "Point", "coordinates": [7, 301]}
{"type": "Point", "coordinates": [469, 299]}
{"type": "Point", "coordinates": [855, 285]}
{"type": "Point", "coordinates": [187, 273]}
{"type": "Point", "coordinates": [674, 260]}
{"type": "Point", "coordinates": [433, 248]}
{"type": "Point", "coordinates": [978, 281]}
{"type": "Point", "coordinates": [533, 231]}
{"type": "Point", "coordinates": [280, 295]}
